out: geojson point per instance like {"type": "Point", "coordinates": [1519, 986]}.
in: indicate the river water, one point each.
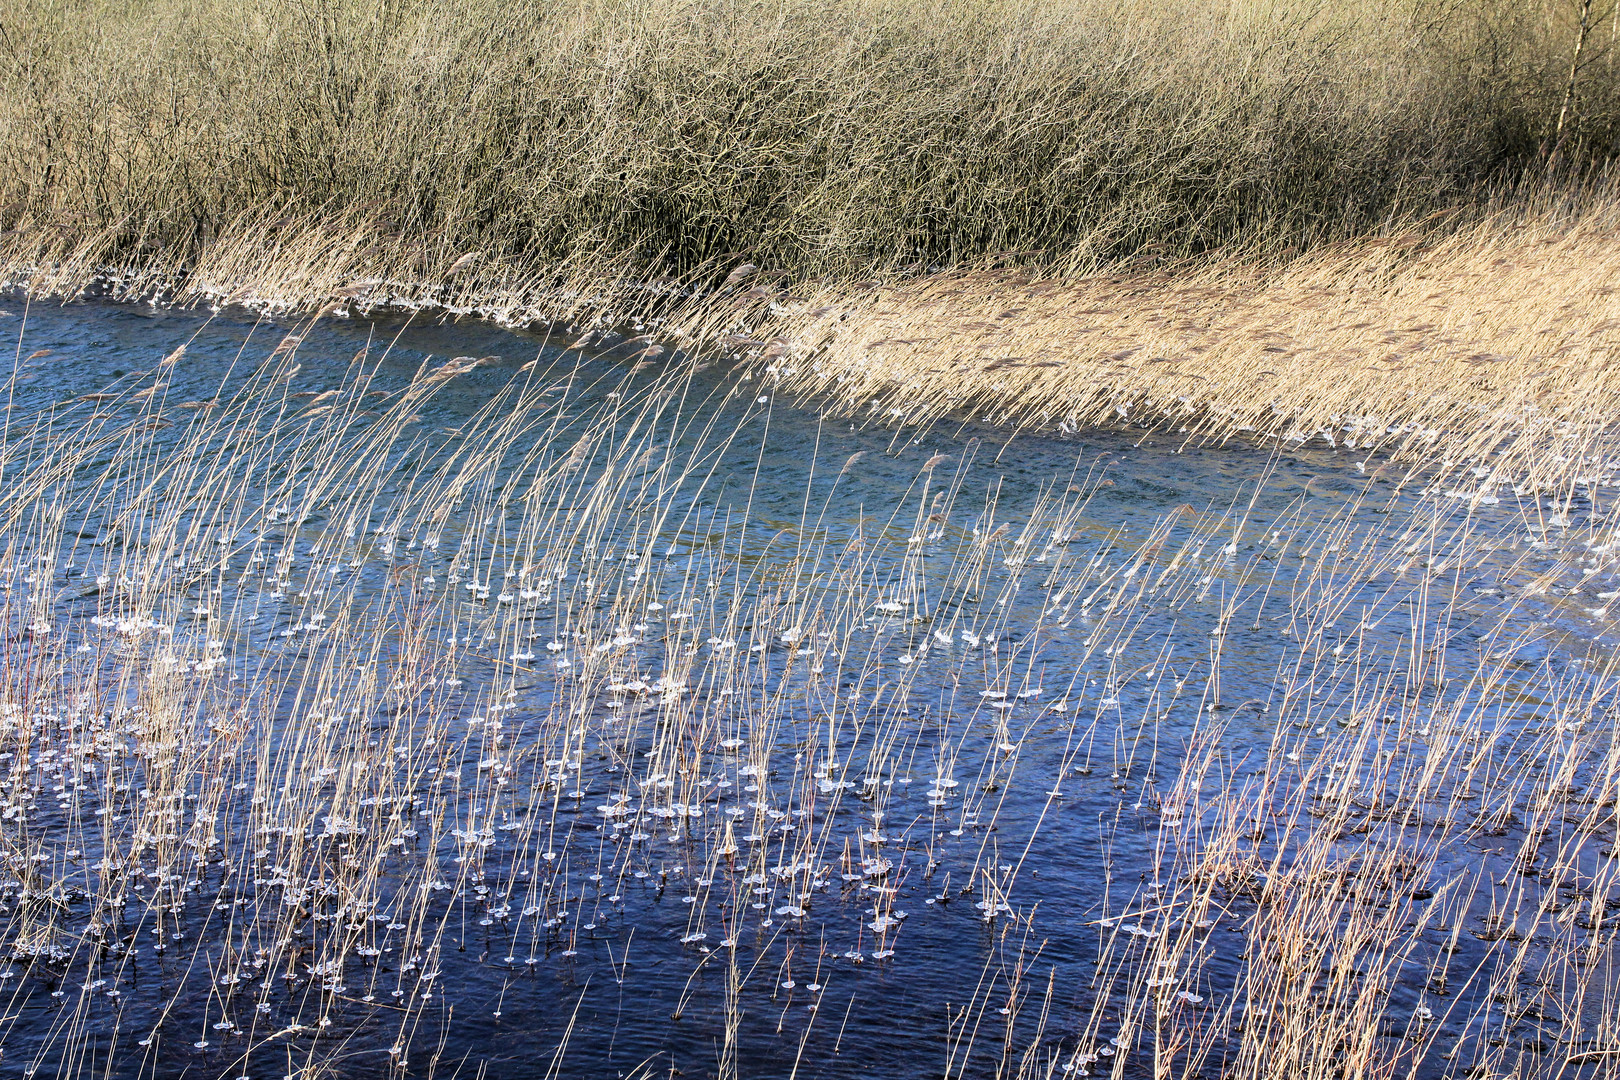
{"type": "Point", "coordinates": [589, 712]}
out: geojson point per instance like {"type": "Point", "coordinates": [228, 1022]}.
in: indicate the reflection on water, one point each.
{"type": "Point", "coordinates": [538, 713]}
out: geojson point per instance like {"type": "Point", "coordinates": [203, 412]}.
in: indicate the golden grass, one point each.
{"type": "Point", "coordinates": [816, 137]}
{"type": "Point", "coordinates": [1491, 347]}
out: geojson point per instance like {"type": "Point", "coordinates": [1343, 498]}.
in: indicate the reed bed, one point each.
{"type": "Point", "coordinates": [305, 697]}
{"type": "Point", "coordinates": [836, 138]}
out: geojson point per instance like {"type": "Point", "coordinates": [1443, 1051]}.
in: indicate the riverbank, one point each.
{"type": "Point", "coordinates": [1379, 226]}
{"type": "Point", "coordinates": [1490, 348]}
{"type": "Point", "coordinates": [1482, 349]}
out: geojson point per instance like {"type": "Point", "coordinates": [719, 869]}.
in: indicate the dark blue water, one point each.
{"type": "Point", "coordinates": [575, 714]}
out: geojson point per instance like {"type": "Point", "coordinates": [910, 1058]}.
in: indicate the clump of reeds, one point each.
{"type": "Point", "coordinates": [303, 695]}
{"type": "Point", "coordinates": [373, 139]}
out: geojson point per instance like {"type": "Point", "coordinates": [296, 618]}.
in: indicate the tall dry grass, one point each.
{"type": "Point", "coordinates": [250, 758]}
{"type": "Point", "coordinates": [1490, 349]}
{"type": "Point", "coordinates": [817, 137]}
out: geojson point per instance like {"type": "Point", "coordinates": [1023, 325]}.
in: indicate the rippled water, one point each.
{"type": "Point", "coordinates": [969, 676]}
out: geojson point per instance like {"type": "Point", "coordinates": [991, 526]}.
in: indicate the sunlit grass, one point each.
{"type": "Point", "coordinates": [302, 692]}
{"type": "Point", "coordinates": [293, 148]}
{"type": "Point", "coordinates": [306, 692]}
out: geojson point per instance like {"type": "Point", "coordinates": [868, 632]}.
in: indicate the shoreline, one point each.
{"type": "Point", "coordinates": [1482, 353]}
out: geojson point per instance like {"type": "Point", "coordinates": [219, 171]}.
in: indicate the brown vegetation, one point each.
{"type": "Point", "coordinates": [1493, 346]}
